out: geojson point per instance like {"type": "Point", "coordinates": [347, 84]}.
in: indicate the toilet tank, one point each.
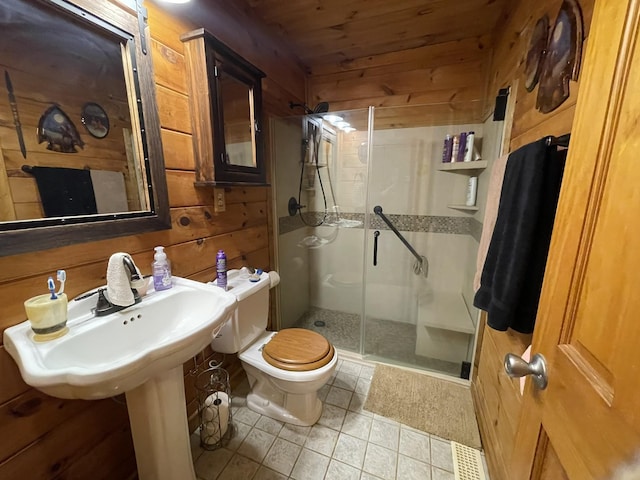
{"type": "Point", "coordinates": [250, 319]}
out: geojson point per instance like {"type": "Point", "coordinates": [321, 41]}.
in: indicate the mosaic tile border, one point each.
{"type": "Point", "coordinates": [404, 223]}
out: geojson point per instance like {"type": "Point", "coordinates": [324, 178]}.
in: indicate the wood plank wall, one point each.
{"type": "Point", "coordinates": [46, 438]}
{"type": "Point", "coordinates": [452, 74]}
{"type": "Point", "coordinates": [497, 397]}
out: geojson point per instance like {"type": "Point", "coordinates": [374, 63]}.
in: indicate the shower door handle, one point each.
{"type": "Point", "coordinates": [376, 234]}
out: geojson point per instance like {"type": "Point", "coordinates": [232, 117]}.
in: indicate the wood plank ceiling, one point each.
{"type": "Point", "coordinates": [322, 32]}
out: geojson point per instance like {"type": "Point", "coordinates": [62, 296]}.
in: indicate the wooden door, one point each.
{"type": "Point", "coordinates": [587, 421]}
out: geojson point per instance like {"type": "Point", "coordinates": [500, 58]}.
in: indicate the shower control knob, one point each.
{"type": "Point", "coordinates": [515, 367]}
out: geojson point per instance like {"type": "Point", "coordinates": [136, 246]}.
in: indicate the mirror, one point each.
{"type": "Point", "coordinates": [226, 114]}
{"type": "Point", "coordinates": [80, 151]}
{"type": "Point", "coordinates": [237, 105]}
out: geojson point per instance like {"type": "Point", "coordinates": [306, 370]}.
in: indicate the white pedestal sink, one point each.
{"type": "Point", "coordinates": [138, 351]}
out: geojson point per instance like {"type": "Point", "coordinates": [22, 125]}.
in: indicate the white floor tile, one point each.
{"type": "Point", "coordinates": [256, 445]}
{"type": "Point", "coordinates": [294, 433]}
{"type": "Point", "coordinates": [209, 465]}
{"type": "Point", "coordinates": [240, 431]}
{"type": "Point", "coordinates": [412, 469]}
{"type": "Point", "coordinates": [362, 387]}
{"type": "Point", "coordinates": [384, 434]}
{"type": "Point", "coordinates": [282, 456]}
{"type": "Point", "coordinates": [357, 425]}
{"type": "Point", "coordinates": [322, 439]}
{"type": "Point", "coordinates": [350, 450]}
{"type": "Point", "coordinates": [341, 471]}
{"type": "Point", "coordinates": [310, 466]}
{"type": "Point", "coordinates": [380, 461]}
{"type": "Point", "coordinates": [269, 425]}
{"type": "Point", "coordinates": [266, 474]}
{"type": "Point", "coordinates": [351, 368]}
{"type": "Point", "coordinates": [332, 416]}
{"type": "Point", "coordinates": [346, 381]}
{"type": "Point", "coordinates": [244, 415]}
{"type": "Point", "coordinates": [339, 397]}
{"type": "Point", "coordinates": [357, 405]}
{"type": "Point", "coordinates": [437, 474]}
{"type": "Point", "coordinates": [415, 445]}
{"type": "Point", "coordinates": [441, 455]}
{"type": "Point", "coordinates": [239, 468]}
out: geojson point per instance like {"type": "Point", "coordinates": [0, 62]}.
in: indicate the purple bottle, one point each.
{"type": "Point", "coordinates": [461, 147]}
{"type": "Point", "coordinates": [221, 269]}
{"type": "Point", "coordinates": [446, 150]}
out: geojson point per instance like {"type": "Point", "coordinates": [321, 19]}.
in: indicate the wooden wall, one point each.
{"type": "Point", "coordinates": [452, 74]}
{"type": "Point", "coordinates": [46, 438]}
{"type": "Point", "coordinates": [497, 397]}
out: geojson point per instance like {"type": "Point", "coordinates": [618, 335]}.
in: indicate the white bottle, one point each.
{"type": "Point", "coordinates": [161, 269]}
{"type": "Point", "coordinates": [472, 191]}
{"type": "Point", "coordinates": [468, 149]}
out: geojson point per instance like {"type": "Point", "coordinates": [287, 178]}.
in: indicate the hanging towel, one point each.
{"type": "Point", "coordinates": [118, 281]}
{"type": "Point", "coordinates": [490, 215]}
{"type": "Point", "coordinates": [64, 191]}
{"type": "Point", "coordinates": [110, 191]}
{"type": "Point", "coordinates": [514, 267]}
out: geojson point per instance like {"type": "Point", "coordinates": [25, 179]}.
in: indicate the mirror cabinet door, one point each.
{"type": "Point", "coordinates": [80, 151]}
{"type": "Point", "coordinates": [237, 109]}
{"type": "Point", "coordinates": [226, 114]}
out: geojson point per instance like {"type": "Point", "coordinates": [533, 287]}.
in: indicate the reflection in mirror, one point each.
{"type": "Point", "coordinates": [237, 105]}
{"type": "Point", "coordinates": [55, 150]}
{"type": "Point", "coordinates": [74, 145]}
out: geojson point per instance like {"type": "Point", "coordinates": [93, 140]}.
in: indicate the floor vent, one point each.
{"type": "Point", "coordinates": [467, 462]}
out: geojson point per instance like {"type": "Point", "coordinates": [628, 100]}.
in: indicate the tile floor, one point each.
{"type": "Point", "coordinates": [346, 443]}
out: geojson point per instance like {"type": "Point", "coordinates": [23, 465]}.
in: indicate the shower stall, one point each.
{"type": "Point", "coordinates": [376, 245]}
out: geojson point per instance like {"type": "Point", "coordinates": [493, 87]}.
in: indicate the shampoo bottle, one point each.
{"type": "Point", "coordinates": [468, 153]}
{"type": "Point", "coordinates": [161, 268]}
{"type": "Point", "coordinates": [221, 269]}
{"type": "Point", "coordinates": [472, 191]}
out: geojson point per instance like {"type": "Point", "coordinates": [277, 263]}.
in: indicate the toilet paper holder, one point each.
{"type": "Point", "coordinates": [214, 407]}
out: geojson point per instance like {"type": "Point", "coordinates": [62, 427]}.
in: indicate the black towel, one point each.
{"type": "Point", "coordinates": [514, 268]}
{"type": "Point", "coordinates": [64, 191]}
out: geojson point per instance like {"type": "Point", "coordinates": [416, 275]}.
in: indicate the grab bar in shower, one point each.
{"type": "Point", "coordinates": [422, 265]}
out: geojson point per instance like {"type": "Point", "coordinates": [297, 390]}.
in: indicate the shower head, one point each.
{"type": "Point", "coordinates": [322, 107]}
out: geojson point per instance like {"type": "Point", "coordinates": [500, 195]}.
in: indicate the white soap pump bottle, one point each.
{"type": "Point", "coordinates": [161, 269]}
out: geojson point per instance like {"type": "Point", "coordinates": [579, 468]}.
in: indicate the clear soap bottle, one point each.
{"type": "Point", "coordinates": [161, 268]}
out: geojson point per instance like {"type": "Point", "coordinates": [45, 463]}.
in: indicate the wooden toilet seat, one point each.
{"type": "Point", "coordinates": [298, 350]}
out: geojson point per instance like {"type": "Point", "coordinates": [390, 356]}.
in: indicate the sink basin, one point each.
{"type": "Point", "coordinates": [138, 351]}
{"type": "Point", "coordinates": [106, 356]}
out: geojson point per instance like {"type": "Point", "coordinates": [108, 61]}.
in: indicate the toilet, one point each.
{"type": "Point", "coordinates": [286, 368]}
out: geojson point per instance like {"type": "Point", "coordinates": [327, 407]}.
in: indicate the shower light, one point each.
{"type": "Point", "coordinates": [175, 1]}
{"type": "Point", "coordinates": [332, 118]}
{"type": "Point", "coordinates": [342, 124]}
{"type": "Point", "coordinates": [348, 129]}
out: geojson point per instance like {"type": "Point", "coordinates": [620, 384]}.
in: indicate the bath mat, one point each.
{"type": "Point", "coordinates": [424, 402]}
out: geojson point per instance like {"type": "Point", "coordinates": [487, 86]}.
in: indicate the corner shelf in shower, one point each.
{"type": "Point", "coordinates": [462, 167]}
{"type": "Point", "coordinates": [464, 207]}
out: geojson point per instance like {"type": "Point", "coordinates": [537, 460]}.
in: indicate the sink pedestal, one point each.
{"type": "Point", "coordinates": [159, 427]}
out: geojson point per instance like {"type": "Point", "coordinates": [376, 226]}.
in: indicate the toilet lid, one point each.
{"type": "Point", "coordinates": [297, 349]}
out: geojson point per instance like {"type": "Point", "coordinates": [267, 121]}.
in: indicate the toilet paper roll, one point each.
{"type": "Point", "coordinates": [274, 278]}
{"type": "Point", "coordinates": [215, 417]}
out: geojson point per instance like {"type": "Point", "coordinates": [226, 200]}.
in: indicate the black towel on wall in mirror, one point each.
{"type": "Point", "coordinates": [64, 191]}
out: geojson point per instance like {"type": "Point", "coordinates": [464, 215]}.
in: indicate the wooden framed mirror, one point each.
{"type": "Point", "coordinates": [226, 104]}
{"type": "Point", "coordinates": [80, 149]}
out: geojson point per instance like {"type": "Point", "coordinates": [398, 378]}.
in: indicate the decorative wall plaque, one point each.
{"type": "Point", "coordinates": [57, 129]}
{"type": "Point", "coordinates": [535, 55]}
{"type": "Point", "coordinates": [562, 60]}
{"type": "Point", "coordinates": [95, 120]}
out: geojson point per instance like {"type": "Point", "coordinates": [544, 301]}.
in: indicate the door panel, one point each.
{"type": "Point", "coordinates": [587, 326]}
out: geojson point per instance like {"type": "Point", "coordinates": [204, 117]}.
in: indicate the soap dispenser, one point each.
{"type": "Point", "coordinates": [161, 269]}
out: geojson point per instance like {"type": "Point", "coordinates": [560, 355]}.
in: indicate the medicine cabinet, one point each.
{"type": "Point", "coordinates": [225, 97]}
